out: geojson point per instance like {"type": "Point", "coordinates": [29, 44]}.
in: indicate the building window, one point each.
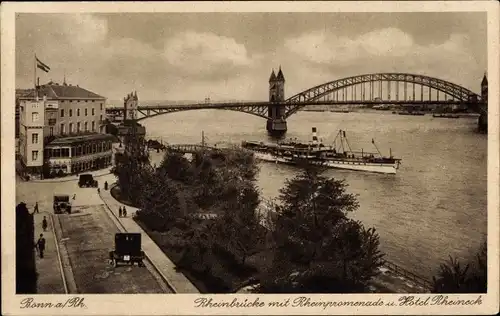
{"type": "Point", "coordinates": [93, 126]}
{"type": "Point", "coordinates": [101, 106]}
{"type": "Point", "coordinates": [35, 117]}
{"type": "Point", "coordinates": [34, 155]}
{"type": "Point", "coordinates": [51, 131]}
{"type": "Point", "coordinates": [62, 112]}
{"type": "Point", "coordinates": [70, 112]}
{"type": "Point", "coordinates": [34, 138]}
{"type": "Point", "coordinates": [62, 128]}
{"type": "Point", "coordinates": [77, 112]}
{"type": "Point", "coordinates": [101, 118]}
{"type": "Point", "coordinates": [85, 111]}
{"type": "Point", "coordinates": [70, 127]}
{"type": "Point", "coordinates": [93, 111]}
{"type": "Point", "coordinates": [78, 127]}
{"type": "Point", "coordinates": [86, 126]}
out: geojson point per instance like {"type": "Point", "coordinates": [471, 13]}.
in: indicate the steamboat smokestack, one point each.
{"type": "Point", "coordinates": [314, 136]}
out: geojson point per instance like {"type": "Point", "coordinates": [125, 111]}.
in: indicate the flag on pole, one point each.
{"type": "Point", "coordinates": [41, 65]}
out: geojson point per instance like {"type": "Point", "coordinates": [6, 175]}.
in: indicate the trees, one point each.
{"type": "Point", "coordinates": [26, 275]}
{"type": "Point", "coordinates": [453, 277]}
{"type": "Point", "coordinates": [157, 200]}
{"type": "Point", "coordinates": [133, 166]}
{"type": "Point", "coordinates": [238, 230]}
{"type": "Point", "coordinates": [177, 167]}
{"type": "Point", "coordinates": [317, 248]}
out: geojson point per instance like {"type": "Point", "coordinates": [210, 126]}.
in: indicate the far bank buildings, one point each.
{"type": "Point", "coordinates": [61, 131]}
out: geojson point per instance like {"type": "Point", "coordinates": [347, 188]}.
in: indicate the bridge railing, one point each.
{"type": "Point", "coordinates": [417, 279]}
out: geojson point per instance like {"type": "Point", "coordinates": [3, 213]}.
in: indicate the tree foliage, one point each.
{"type": "Point", "coordinates": [26, 275]}
{"type": "Point", "coordinates": [315, 241]}
{"type": "Point", "coordinates": [158, 201]}
{"type": "Point", "coordinates": [133, 167]}
{"type": "Point", "coordinates": [454, 277]}
{"type": "Point", "coordinates": [238, 229]}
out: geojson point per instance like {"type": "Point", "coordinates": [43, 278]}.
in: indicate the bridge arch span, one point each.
{"type": "Point", "coordinates": [313, 94]}
{"type": "Point", "coordinates": [152, 112]}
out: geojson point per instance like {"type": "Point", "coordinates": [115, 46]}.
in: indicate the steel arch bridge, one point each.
{"type": "Point", "coordinates": [337, 91]}
{"type": "Point", "coordinates": [375, 88]}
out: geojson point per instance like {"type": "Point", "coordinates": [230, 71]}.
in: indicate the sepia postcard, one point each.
{"type": "Point", "coordinates": [250, 158]}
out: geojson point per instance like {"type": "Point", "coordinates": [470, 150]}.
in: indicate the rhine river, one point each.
{"type": "Point", "coordinates": [434, 207]}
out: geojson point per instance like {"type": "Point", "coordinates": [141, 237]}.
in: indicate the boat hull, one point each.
{"type": "Point", "coordinates": [386, 168]}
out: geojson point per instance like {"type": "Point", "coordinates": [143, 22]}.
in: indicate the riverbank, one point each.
{"type": "Point", "coordinates": [219, 273]}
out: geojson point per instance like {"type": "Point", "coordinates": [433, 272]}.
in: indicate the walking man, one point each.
{"type": "Point", "coordinates": [36, 208]}
{"type": "Point", "coordinates": [44, 224]}
{"type": "Point", "coordinates": [40, 244]}
{"type": "Point", "coordinates": [120, 212]}
{"type": "Point", "coordinates": [124, 212]}
{"type": "Point", "coordinates": [74, 196]}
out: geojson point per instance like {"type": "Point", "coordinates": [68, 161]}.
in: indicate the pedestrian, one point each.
{"type": "Point", "coordinates": [120, 212]}
{"type": "Point", "coordinates": [124, 212]}
{"type": "Point", "coordinates": [44, 224]}
{"type": "Point", "coordinates": [98, 191]}
{"type": "Point", "coordinates": [40, 245]}
{"type": "Point", "coordinates": [36, 208]}
{"type": "Point", "coordinates": [74, 196]}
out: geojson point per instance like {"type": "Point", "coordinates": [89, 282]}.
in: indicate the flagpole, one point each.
{"type": "Point", "coordinates": [34, 78]}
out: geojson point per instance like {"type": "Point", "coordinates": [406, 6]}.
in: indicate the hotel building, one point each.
{"type": "Point", "coordinates": [61, 130]}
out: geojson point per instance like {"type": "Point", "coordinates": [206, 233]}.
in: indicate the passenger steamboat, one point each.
{"type": "Point", "coordinates": [338, 156]}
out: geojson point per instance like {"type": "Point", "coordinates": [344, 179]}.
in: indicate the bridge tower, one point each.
{"type": "Point", "coordinates": [276, 123]}
{"type": "Point", "coordinates": [483, 106]}
{"type": "Point", "coordinates": [130, 103]}
{"type": "Point", "coordinates": [484, 90]}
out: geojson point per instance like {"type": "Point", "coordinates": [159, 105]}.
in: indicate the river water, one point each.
{"type": "Point", "coordinates": [434, 207]}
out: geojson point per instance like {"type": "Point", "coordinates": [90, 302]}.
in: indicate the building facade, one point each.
{"type": "Point", "coordinates": [130, 103]}
{"type": "Point", "coordinates": [71, 109]}
{"type": "Point", "coordinates": [31, 135]}
{"type": "Point", "coordinates": [77, 154]}
{"type": "Point", "coordinates": [70, 129]}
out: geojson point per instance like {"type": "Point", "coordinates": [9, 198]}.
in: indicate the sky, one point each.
{"type": "Point", "coordinates": [229, 56]}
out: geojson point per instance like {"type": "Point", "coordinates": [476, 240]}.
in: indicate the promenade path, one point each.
{"type": "Point", "coordinates": [49, 272]}
{"type": "Point", "coordinates": [178, 281]}
{"type": "Point", "coordinates": [85, 237]}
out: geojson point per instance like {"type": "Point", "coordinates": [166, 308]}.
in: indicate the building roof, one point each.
{"type": "Point", "coordinates": [55, 91]}
{"type": "Point", "coordinates": [273, 76]}
{"type": "Point", "coordinates": [280, 76]}
{"type": "Point", "coordinates": [80, 139]}
{"type": "Point", "coordinates": [485, 80]}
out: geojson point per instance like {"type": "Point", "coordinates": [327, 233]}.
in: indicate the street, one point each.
{"type": "Point", "coordinates": [86, 237]}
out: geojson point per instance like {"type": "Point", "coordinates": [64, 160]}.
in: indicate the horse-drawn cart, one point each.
{"type": "Point", "coordinates": [127, 250]}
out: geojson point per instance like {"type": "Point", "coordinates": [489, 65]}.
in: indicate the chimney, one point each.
{"type": "Point", "coordinates": [314, 136]}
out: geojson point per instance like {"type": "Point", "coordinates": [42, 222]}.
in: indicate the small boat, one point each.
{"type": "Point", "coordinates": [314, 110]}
{"type": "Point", "coordinates": [338, 156]}
{"type": "Point", "coordinates": [452, 116]}
{"type": "Point", "coordinates": [412, 113]}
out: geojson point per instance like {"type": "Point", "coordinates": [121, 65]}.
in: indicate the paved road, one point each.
{"type": "Point", "coordinates": [87, 237]}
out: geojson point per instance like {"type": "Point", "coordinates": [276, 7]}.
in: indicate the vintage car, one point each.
{"type": "Point", "coordinates": [62, 204]}
{"type": "Point", "coordinates": [127, 250]}
{"type": "Point", "coordinates": [87, 181]}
